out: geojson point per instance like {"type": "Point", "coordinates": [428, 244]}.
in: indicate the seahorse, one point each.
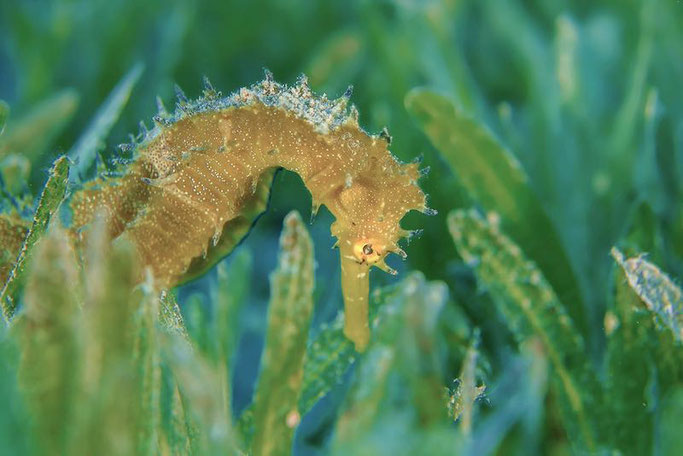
{"type": "Point", "coordinates": [197, 180]}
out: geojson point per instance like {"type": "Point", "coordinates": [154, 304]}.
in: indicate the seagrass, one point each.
{"type": "Point", "coordinates": [13, 230]}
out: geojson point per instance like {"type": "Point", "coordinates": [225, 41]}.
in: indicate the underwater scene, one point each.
{"type": "Point", "coordinates": [367, 227]}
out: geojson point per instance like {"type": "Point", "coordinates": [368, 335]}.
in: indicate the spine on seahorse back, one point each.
{"type": "Point", "coordinates": [201, 167]}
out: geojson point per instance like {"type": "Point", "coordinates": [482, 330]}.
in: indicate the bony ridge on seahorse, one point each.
{"type": "Point", "coordinates": [192, 184]}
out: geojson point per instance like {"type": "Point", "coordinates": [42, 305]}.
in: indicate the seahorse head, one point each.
{"type": "Point", "coordinates": [369, 209]}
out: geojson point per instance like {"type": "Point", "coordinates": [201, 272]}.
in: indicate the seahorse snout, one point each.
{"type": "Point", "coordinates": [355, 282]}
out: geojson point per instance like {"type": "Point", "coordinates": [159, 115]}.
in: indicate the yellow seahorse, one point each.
{"type": "Point", "coordinates": [201, 171]}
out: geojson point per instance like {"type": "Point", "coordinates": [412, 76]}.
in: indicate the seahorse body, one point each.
{"type": "Point", "coordinates": [203, 167]}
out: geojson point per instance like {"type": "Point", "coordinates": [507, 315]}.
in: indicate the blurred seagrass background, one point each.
{"type": "Point", "coordinates": [554, 132]}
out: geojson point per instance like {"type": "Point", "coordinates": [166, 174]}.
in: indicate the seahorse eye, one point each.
{"type": "Point", "coordinates": [367, 251]}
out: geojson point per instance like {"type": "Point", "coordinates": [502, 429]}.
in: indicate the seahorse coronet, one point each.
{"type": "Point", "coordinates": [200, 176]}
